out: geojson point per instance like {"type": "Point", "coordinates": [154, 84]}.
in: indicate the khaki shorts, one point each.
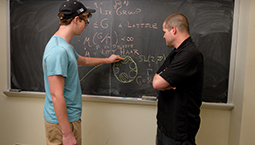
{"type": "Point", "coordinates": [54, 133]}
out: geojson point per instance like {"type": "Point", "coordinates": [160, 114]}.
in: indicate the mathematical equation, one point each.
{"type": "Point", "coordinates": [119, 7]}
{"type": "Point", "coordinates": [107, 39]}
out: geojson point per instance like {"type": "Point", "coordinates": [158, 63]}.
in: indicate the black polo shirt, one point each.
{"type": "Point", "coordinates": [178, 110]}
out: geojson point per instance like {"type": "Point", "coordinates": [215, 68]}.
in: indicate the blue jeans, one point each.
{"type": "Point", "coordinates": [162, 139]}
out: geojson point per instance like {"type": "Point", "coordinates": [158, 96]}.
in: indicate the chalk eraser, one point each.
{"type": "Point", "coordinates": [15, 90]}
{"type": "Point", "coordinates": [153, 98]}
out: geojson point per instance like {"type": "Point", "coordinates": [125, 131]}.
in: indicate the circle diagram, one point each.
{"type": "Point", "coordinates": [126, 70]}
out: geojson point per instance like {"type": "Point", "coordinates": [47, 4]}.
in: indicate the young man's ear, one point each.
{"type": "Point", "coordinates": [76, 19]}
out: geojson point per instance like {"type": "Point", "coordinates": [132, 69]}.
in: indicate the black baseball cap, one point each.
{"type": "Point", "coordinates": [72, 8]}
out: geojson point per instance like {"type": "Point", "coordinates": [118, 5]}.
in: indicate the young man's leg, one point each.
{"type": "Point", "coordinates": [54, 133]}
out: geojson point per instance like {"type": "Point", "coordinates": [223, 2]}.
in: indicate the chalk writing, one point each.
{"type": "Point", "coordinates": [125, 71]}
{"type": "Point", "coordinates": [103, 23]}
{"type": "Point", "coordinates": [118, 5]}
{"type": "Point", "coordinates": [104, 42]}
{"type": "Point", "coordinates": [101, 37]}
{"type": "Point", "coordinates": [102, 11]}
{"type": "Point", "coordinates": [142, 80]}
{"type": "Point", "coordinates": [153, 59]}
{"type": "Point", "coordinates": [128, 39]}
{"type": "Point", "coordinates": [143, 25]}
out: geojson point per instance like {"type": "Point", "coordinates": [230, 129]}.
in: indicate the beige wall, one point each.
{"type": "Point", "coordinates": [248, 118]}
{"type": "Point", "coordinates": [21, 118]}
{"type": "Point", "coordinates": [242, 123]}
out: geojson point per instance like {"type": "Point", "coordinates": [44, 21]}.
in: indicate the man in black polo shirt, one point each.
{"type": "Point", "coordinates": [180, 81]}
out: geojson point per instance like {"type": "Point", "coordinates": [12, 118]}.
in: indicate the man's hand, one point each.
{"type": "Point", "coordinates": [114, 58]}
{"type": "Point", "coordinates": [69, 139]}
{"type": "Point", "coordinates": [168, 88]}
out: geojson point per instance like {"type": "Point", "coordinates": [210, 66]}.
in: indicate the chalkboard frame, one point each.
{"type": "Point", "coordinates": [232, 58]}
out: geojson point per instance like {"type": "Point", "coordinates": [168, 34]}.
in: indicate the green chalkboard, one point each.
{"type": "Point", "coordinates": [130, 28]}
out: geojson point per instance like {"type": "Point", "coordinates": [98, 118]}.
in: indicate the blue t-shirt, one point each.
{"type": "Point", "coordinates": [60, 58]}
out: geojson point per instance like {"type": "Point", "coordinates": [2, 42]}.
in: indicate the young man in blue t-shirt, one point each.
{"type": "Point", "coordinates": [63, 103]}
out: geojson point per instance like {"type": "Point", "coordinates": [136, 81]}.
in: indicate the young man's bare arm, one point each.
{"type": "Point", "coordinates": [56, 83]}
{"type": "Point", "coordinates": [90, 61]}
